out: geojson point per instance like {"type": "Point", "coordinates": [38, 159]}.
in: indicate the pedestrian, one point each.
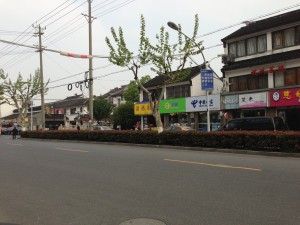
{"type": "Point", "coordinates": [14, 133]}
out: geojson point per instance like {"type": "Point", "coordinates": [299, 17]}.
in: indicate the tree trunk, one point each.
{"type": "Point", "coordinates": [159, 124]}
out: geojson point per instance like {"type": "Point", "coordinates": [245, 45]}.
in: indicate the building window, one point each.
{"type": "Point", "coordinates": [297, 36]}
{"type": "Point", "coordinates": [241, 49]}
{"type": "Point", "coordinates": [262, 43]}
{"type": "Point", "coordinates": [289, 37]}
{"type": "Point", "coordinates": [248, 82]}
{"type": "Point", "coordinates": [232, 49]}
{"type": "Point", "coordinates": [178, 91]}
{"type": "Point", "coordinates": [289, 77]}
{"type": "Point", "coordinates": [278, 79]}
{"type": "Point", "coordinates": [73, 110]}
{"type": "Point", "coordinates": [286, 38]}
{"type": "Point", "coordinates": [251, 46]}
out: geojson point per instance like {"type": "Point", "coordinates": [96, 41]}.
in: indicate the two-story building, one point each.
{"type": "Point", "coordinates": [262, 68]}
{"type": "Point", "coordinates": [115, 96]}
{"type": "Point", "coordinates": [183, 102]}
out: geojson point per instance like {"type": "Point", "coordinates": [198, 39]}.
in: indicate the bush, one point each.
{"type": "Point", "coordinates": [251, 140]}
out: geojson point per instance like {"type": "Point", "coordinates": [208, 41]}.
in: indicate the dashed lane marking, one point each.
{"type": "Point", "coordinates": [70, 150]}
{"type": "Point", "coordinates": [214, 165]}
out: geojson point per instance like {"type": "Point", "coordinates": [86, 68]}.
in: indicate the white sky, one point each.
{"type": "Point", "coordinates": [18, 16]}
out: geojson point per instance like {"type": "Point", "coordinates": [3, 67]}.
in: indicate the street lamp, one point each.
{"type": "Point", "coordinates": [174, 26]}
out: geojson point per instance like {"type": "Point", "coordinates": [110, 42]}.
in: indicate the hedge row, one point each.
{"type": "Point", "coordinates": [250, 140]}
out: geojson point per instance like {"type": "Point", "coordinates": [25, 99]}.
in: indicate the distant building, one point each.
{"type": "Point", "coordinates": [116, 95]}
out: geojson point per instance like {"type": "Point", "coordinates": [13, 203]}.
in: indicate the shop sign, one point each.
{"type": "Point", "coordinates": [142, 109]}
{"type": "Point", "coordinates": [285, 97]}
{"type": "Point", "coordinates": [230, 102]}
{"type": "Point", "coordinates": [199, 103]}
{"type": "Point", "coordinates": [172, 105]}
{"type": "Point", "coordinates": [253, 100]}
{"type": "Point", "coordinates": [207, 80]}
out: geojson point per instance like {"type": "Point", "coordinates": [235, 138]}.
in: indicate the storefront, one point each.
{"type": "Point", "coordinates": [197, 106]}
{"type": "Point", "coordinates": [253, 104]}
{"type": "Point", "coordinates": [287, 103]}
{"type": "Point", "coordinates": [190, 111]}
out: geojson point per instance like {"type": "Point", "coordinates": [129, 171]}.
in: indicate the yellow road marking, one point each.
{"type": "Point", "coordinates": [70, 150]}
{"type": "Point", "coordinates": [215, 165]}
{"type": "Point", "coordinates": [14, 144]}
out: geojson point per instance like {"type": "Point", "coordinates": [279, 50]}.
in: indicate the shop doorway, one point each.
{"type": "Point", "coordinates": [293, 118]}
{"type": "Point", "coordinates": [254, 113]}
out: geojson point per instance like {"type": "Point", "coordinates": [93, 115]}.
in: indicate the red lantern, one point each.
{"type": "Point", "coordinates": [262, 71]}
{"type": "Point", "coordinates": [271, 70]}
{"type": "Point", "coordinates": [253, 72]}
{"type": "Point", "coordinates": [281, 68]}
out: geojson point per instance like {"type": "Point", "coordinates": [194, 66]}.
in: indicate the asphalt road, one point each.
{"type": "Point", "coordinates": [69, 183]}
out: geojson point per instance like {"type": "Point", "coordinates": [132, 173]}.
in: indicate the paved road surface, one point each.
{"type": "Point", "coordinates": [69, 183]}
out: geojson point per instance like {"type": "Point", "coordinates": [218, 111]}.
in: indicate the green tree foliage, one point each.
{"type": "Point", "coordinates": [20, 93]}
{"type": "Point", "coordinates": [102, 108]}
{"type": "Point", "coordinates": [168, 60]}
{"type": "Point", "coordinates": [145, 79]}
{"type": "Point", "coordinates": [131, 94]}
{"type": "Point", "coordinates": [124, 115]}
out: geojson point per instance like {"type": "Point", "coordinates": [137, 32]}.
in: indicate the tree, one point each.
{"type": "Point", "coordinates": [102, 108]}
{"type": "Point", "coordinates": [20, 93]}
{"type": "Point", "coordinates": [163, 57]}
{"type": "Point", "coordinates": [131, 94]}
{"type": "Point", "coordinates": [124, 115]}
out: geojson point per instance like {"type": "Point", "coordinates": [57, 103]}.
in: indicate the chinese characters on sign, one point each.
{"type": "Point", "coordinates": [285, 97]}
{"type": "Point", "coordinates": [199, 103]}
{"type": "Point", "coordinates": [142, 109]}
{"type": "Point", "coordinates": [253, 100]}
{"type": "Point", "coordinates": [207, 80]}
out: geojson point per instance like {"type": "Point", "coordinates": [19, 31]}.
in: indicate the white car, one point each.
{"type": "Point", "coordinates": [98, 127]}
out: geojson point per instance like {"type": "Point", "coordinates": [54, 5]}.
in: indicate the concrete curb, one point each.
{"type": "Point", "coordinates": [233, 151]}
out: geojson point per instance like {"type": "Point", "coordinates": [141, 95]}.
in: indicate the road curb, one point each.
{"type": "Point", "coordinates": [203, 149]}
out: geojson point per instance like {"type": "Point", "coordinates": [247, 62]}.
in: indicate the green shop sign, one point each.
{"type": "Point", "coordinates": [172, 105]}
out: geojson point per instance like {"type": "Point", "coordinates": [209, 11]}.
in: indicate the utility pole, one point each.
{"type": "Point", "coordinates": [40, 33]}
{"type": "Point", "coordinates": [91, 94]}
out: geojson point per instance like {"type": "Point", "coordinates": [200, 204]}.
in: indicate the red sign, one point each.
{"type": "Point", "coordinates": [286, 97]}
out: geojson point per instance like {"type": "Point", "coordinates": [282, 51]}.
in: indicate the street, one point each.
{"type": "Point", "coordinates": [69, 183]}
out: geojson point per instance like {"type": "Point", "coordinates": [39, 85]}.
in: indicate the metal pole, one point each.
{"type": "Point", "coordinates": [208, 112]}
{"type": "Point", "coordinates": [91, 95]}
{"type": "Point", "coordinates": [175, 27]}
{"type": "Point", "coordinates": [31, 120]}
{"type": "Point", "coordinates": [42, 78]}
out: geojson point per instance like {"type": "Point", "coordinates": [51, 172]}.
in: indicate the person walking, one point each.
{"type": "Point", "coordinates": [15, 133]}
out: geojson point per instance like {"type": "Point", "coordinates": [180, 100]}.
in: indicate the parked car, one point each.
{"type": "Point", "coordinates": [256, 123]}
{"type": "Point", "coordinates": [178, 128]}
{"type": "Point", "coordinates": [98, 127]}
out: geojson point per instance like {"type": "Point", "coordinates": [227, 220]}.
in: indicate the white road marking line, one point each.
{"type": "Point", "coordinates": [214, 165]}
{"type": "Point", "coordinates": [70, 150]}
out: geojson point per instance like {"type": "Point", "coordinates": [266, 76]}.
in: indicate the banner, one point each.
{"type": "Point", "coordinates": [172, 105]}
{"type": "Point", "coordinates": [285, 97]}
{"type": "Point", "coordinates": [199, 103]}
{"type": "Point", "coordinates": [142, 109]}
{"type": "Point", "coordinates": [254, 100]}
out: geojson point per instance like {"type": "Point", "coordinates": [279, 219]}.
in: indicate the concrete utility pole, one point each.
{"type": "Point", "coordinates": [91, 93]}
{"type": "Point", "coordinates": [40, 33]}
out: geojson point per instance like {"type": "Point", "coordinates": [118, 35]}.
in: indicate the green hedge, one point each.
{"type": "Point", "coordinates": [252, 140]}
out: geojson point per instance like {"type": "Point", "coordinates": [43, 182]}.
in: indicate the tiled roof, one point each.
{"type": "Point", "coordinates": [68, 102]}
{"type": "Point", "coordinates": [116, 91]}
{"type": "Point", "coordinates": [262, 60]}
{"type": "Point", "coordinates": [159, 80]}
{"type": "Point", "coordinates": [271, 22]}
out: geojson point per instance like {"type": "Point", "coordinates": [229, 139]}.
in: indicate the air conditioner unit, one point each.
{"type": "Point", "coordinates": [228, 59]}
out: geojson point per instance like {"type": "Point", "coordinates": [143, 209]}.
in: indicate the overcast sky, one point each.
{"type": "Point", "coordinates": [67, 30]}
